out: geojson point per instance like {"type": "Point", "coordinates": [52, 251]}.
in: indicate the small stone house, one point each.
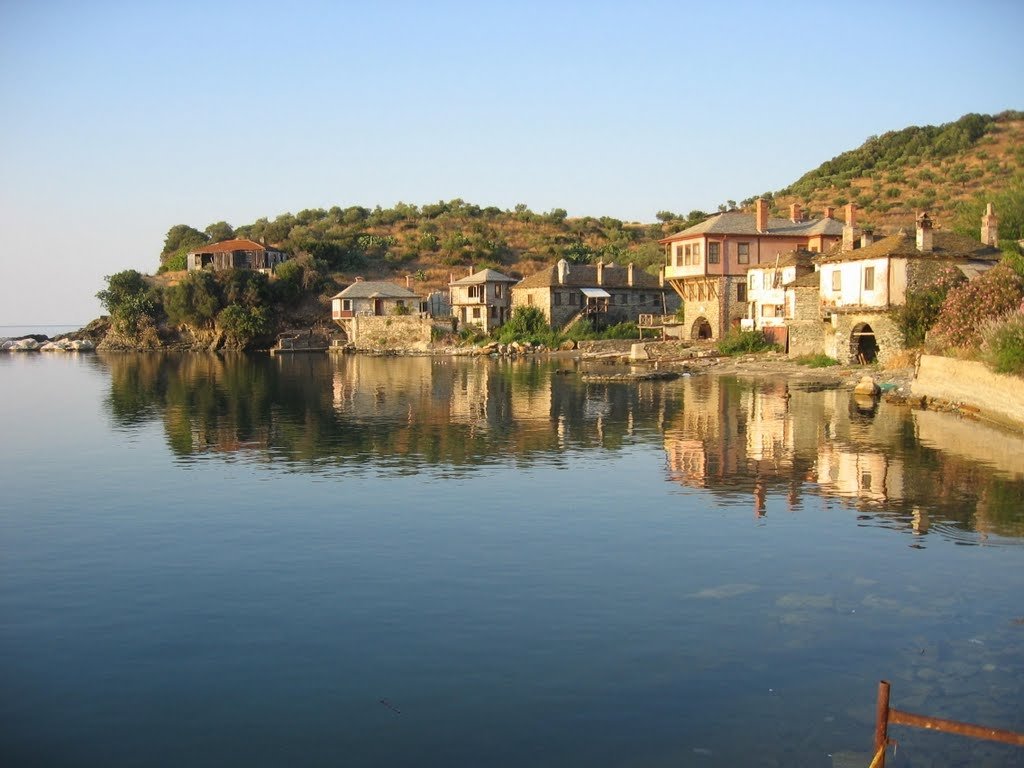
{"type": "Point", "coordinates": [858, 287]}
{"type": "Point", "coordinates": [483, 299]}
{"type": "Point", "coordinates": [235, 254]}
{"type": "Point", "coordinates": [373, 298]}
{"type": "Point", "coordinates": [602, 293]}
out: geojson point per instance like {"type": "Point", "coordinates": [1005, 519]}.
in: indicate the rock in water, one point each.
{"type": "Point", "coordinates": [867, 386]}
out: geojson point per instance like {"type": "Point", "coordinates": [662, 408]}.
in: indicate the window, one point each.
{"type": "Point", "coordinates": [713, 253]}
{"type": "Point", "coordinates": [741, 291]}
{"type": "Point", "coordinates": [837, 280]}
{"type": "Point", "coordinates": [476, 313]}
{"type": "Point", "coordinates": [742, 253]}
{"type": "Point", "coordinates": [494, 311]}
{"type": "Point", "coordinates": [696, 253]}
{"type": "Point", "coordinates": [558, 299]}
{"type": "Point", "coordinates": [474, 291]}
{"type": "Point", "coordinates": [642, 300]}
{"type": "Point", "coordinates": [574, 298]}
{"type": "Point", "coordinates": [753, 280]}
{"type": "Point", "coordinates": [679, 255]}
{"type": "Point", "coordinates": [777, 278]}
{"type": "Point", "coordinates": [869, 278]}
{"type": "Point", "coordinates": [346, 305]}
{"type": "Point", "coordinates": [529, 299]}
{"type": "Point", "coordinates": [497, 290]}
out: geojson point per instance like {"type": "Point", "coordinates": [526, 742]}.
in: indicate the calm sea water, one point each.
{"type": "Point", "coordinates": [308, 561]}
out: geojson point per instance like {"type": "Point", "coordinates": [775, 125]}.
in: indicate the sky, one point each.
{"type": "Point", "coordinates": [122, 119]}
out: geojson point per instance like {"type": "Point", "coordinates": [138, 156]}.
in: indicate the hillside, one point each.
{"type": "Point", "coordinates": [947, 170]}
{"type": "Point", "coordinates": [950, 170]}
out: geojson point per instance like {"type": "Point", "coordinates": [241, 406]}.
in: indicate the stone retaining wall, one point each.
{"type": "Point", "coordinates": [996, 396]}
{"type": "Point", "coordinates": [392, 333]}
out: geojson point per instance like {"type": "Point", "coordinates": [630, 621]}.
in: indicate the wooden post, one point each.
{"type": "Point", "coordinates": [882, 719]}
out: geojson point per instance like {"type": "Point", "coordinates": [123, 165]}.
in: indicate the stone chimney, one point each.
{"type": "Point", "coordinates": [761, 214]}
{"type": "Point", "coordinates": [829, 212]}
{"type": "Point", "coordinates": [924, 233]}
{"type": "Point", "coordinates": [563, 270]}
{"type": "Point", "coordinates": [470, 272]}
{"type": "Point", "coordinates": [600, 273]}
{"type": "Point", "coordinates": [629, 274]}
{"type": "Point", "coordinates": [990, 227]}
{"type": "Point", "coordinates": [795, 214]}
{"type": "Point", "coordinates": [867, 237]}
{"type": "Point", "coordinates": [408, 282]}
{"type": "Point", "coordinates": [850, 230]}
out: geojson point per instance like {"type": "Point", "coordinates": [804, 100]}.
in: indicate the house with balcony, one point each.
{"type": "Point", "coordinates": [235, 254]}
{"type": "Point", "coordinates": [603, 294]}
{"type": "Point", "coordinates": [377, 315]}
{"type": "Point", "coordinates": [483, 298]}
{"type": "Point", "coordinates": [706, 265]}
{"type": "Point", "coordinates": [373, 298]}
{"type": "Point", "coordinates": [857, 287]}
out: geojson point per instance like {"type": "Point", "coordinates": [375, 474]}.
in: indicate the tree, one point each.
{"type": "Point", "coordinates": [181, 237]}
{"type": "Point", "coordinates": [129, 300]}
{"type": "Point", "coordinates": [219, 232]}
{"type": "Point", "coordinates": [195, 301]}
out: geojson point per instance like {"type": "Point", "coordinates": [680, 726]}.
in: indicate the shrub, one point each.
{"type": "Point", "coordinates": [744, 342]}
{"type": "Point", "coordinates": [243, 324]}
{"type": "Point", "coordinates": [921, 308]}
{"type": "Point", "coordinates": [1003, 344]}
{"type": "Point", "coordinates": [817, 360]}
{"type": "Point", "coordinates": [997, 292]}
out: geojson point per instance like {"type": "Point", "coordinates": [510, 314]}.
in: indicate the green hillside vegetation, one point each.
{"type": "Point", "coordinates": [942, 169]}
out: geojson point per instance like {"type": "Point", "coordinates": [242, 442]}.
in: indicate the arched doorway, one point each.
{"type": "Point", "coordinates": [863, 344]}
{"type": "Point", "coordinates": [701, 329]}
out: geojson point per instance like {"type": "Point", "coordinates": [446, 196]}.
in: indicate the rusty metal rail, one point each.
{"type": "Point", "coordinates": [886, 716]}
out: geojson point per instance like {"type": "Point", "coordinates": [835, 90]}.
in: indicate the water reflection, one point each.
{"type": "Point", "coordinates": [905, 469]}
{"type": "Point", "coordinates": [763, 440]}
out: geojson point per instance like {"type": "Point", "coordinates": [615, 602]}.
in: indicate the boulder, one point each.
{"type": "Point", "coordinates": [867, 386]}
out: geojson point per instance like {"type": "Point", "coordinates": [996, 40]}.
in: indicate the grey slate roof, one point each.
{"type": "Point", "coordinates": [375, 289]}
{"type": "Point", "coordinates": [585, 276]}
{"type": "Point", "coordinates": [945, 245]}
{"type": "Point", "coordinates": [736, 223]}
{"type": "Point", "coordinates": [485, 276]}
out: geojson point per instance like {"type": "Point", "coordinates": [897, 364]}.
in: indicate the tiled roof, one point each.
{"type": "Point", "coordinates": [485, 276]}
{"type": "Point", "coordinates": [585, 276]}
{"type": "Point", "coordinates": [228, 246]}
{"type": "Point", "coordinates": [375, 289]}
{"type": "Point", "coordinates": [736, 223]}
{"type": "Point", "coordinates": [945, 245]}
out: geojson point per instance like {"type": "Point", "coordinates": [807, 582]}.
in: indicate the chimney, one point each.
{"type": "Point", "coordinates": [408, 282]}
{"type": "Point", "coordinates": [795, 213]}
{"type": "Point", "coordinates": [600, 273]}
{"type": "Point", "coordinates": [867, 237]}
{"type": "Point", "coordinates": [451, 278]}
{"type": "Point", "coordinates": [661, 277]}
{"type": "Point", "coordinates": [829, 212]}
{"type": "Point", "coordinates": [924, 233]}
{"type": "Point", "coordinates": [629, 274]}
{"type": "Point", "coordinates": [563, 270]}
{"type": "Point", "coordinates": [850, 230]}
{"type": "Point", "coordinates": [990, 227]}
{"type": "Point", "coordinates": [470, 273]}
{"type": "Point", "coordinates": [761, 208]}
{"type": "Point", "coordinates": [359, 279]}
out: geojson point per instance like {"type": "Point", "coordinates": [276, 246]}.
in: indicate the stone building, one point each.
{"type": "Point", "coordinates": [603, 293]}
{"type": "Point", "coordinates": [483, 299]}
{"type": "Point", "coordinates": [707, 263]}
{"type": "Point", "coordinates": [858, 287]}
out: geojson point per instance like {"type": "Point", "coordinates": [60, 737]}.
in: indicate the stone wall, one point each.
{"type": "Point", "coordinates": [841, 342]}
{"type": "Point", "coordinates": [398, 333]}
{"type": "Point", "coordinates": [996, 396]}
{"type": "Point", "coordinates": [806, 329]}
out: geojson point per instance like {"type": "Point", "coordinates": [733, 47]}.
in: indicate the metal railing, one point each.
{"type": "Point", "coordinates": [886, 716]}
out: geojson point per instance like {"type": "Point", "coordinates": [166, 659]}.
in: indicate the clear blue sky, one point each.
{"type": "Point", "coordinates": [121, 119]}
